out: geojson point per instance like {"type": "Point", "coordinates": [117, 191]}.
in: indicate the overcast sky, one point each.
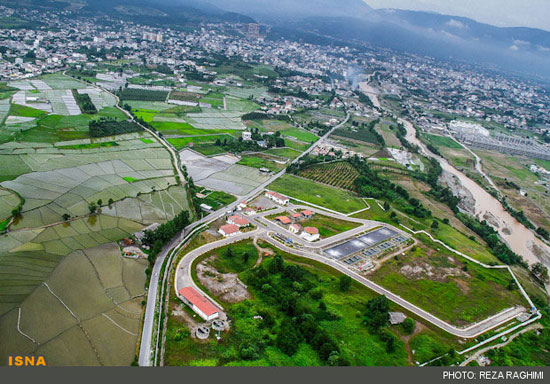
{"type": "Point", "coordinates": [525, 13]}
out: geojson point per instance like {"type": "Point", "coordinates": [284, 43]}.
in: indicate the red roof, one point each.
{"type": "Point", "coordinates": [311, 230]}
{"type": "Point", "coordinates": [239, 220]}
{"type": "Point", "coordinates": [296, 215]}
{"type": "Point", "coordinates": [278, 195]}
{"type": "Point", "coordinates": [283, 219]}
{"type": "Point", "coordinates": [229, 229]}
{"type": "Point", "coordinates": [307, 213]}
{"type": "Point", "coordinates": [199, 301]}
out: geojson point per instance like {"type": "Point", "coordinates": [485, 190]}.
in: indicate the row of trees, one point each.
{"type": "Point", "coordinates": [84, 102]}
{"type": "Point", "coordinates": [109, 127]}
{"type": "Point", "coordinates": [165, 232]}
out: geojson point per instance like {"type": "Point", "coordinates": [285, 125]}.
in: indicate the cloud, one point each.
{"type": "Point", "coordinates": [456, 24]}
{"type": "Point", "coordinates": [514, 48]}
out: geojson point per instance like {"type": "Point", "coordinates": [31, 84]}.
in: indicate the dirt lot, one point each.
{"type": "Point", "coordinates": [225, 286]}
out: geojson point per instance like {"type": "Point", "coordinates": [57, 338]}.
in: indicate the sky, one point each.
{"type": "Point", "coordinates": [504, 13]}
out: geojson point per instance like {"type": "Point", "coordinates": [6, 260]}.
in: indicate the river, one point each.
{"type": "Point", "coordinates": [370, 92]}
{"type": "Point", "coordinates": [520, 239]}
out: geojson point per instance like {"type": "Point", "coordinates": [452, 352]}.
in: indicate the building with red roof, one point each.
{"type": "Point", "coordinates": [296, 216]}
{"type": "Point", "coordinates": [239, 221]}
{"type": "Point", "coordinates": [307, 213]}
{"type": "Point", "coordinates": [310, 234]}
{"type": "Point", "coordinates": [283, 220]}
{"type": "Point", "coordinates": [277, 197]}
{"type": "Point", "coordinates": [229, 230]}
{"type": "Point", "coordinates": [295, 228]}
{"type": "Point", "coordinates": [199, 304]}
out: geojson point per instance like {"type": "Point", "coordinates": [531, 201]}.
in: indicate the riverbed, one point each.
{"type": "Point", "coordinates": [520, 239]}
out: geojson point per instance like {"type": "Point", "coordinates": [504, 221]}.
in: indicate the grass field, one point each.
{"type": "Point", "coordinates": [338, 174]}
{"type": "Point", "coordinates": [441, 141]}
{"type": "Point", "coordinates": [218, 199]}
{"type": "Point", "coordinates": [314, 193]}
{"type": "Point", "coordinates": [289, 153]}
{"type": "Point", "coordinates": [329, 226]}
{"type": "Point", "coordinates": [183, 142]}
{"type": "Point", "coordinates": [446, 285]}
{"type": "Point", "coordinates": [257, 162]}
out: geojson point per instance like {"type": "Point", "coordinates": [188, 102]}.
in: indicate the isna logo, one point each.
{"type": "Point", "coordinates": [26, 361]}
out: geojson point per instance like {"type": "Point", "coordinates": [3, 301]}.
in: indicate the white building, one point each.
{"type": "Point", "coordinates": [199, 304]}
{"type": "Point", "coordinates": [277, 197]}
{"type": "Point", "coordinates": [229, 230]}
{"type": "Point", "coordinates": [247, 136]}
{"type": "Point", "coordinates": [310, 234]}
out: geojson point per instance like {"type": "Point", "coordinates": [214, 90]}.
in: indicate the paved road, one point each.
{"type": "Point", "coordinates": [148, 320]}
{"type": "Point", "coordinates": [183, 278]}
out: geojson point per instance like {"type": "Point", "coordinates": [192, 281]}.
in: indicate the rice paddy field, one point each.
{"type": "Point", "coordinates": [66, 291]}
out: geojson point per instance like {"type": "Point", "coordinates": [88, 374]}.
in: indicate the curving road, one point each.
{"type": "Point", "coordinates": [183, 278]}
{"type": "Point", "coordinates": [145, 350]}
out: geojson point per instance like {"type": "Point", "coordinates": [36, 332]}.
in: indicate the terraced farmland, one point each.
{"type": "Point", "coordinates": [340, 174]}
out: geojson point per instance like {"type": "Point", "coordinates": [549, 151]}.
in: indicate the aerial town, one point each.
{"type": "Point", "coordinates": [222, 196]}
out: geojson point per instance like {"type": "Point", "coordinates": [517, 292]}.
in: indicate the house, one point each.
{"type": "Point", "coordinates": [397, 318]}
{"type": "Point", "coordinates": [296, 216]}
{"type": "Point", "coordinates": [249, 211]}
{"type": "Point", "coordinates": [199, 304]}
{"type": "Point", "coordinates": [242, 205]}
{"type": "Point", "coordinates": [277, 197]}
{"type": "Point", "coordinates": [206, 208]}
{"type": "Point", "coordinates": [310, 234]}
{"type": "Point", "coordinates": [229, 230]}
{"type": "Point", "coordinates": [295, 228]}
{"type": "Point", "coordinates": [283, 220]}
{"type": "Point", "coordinates": [307, 214]}
{"type": "Point", "coordinates": [247, 136]}
{"type": "Point", "coordinates": [239, 221]}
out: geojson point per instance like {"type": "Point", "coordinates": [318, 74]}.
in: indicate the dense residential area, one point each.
{"type": "Point", "coordinates": [215, 192]}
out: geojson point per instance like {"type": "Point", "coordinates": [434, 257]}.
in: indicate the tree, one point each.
{"type": "Point", "coordinates": [111, 201]}
{"type": "Point", "coordinates": [66, 216]}
{"type": "Point", "coordinates": [92, 207]}
{"type": "Point", "coordinates": [100, 202]}
{"type": "Point", "coordinates": [288, 339]}
{"type": "Point", "coordinates": [345, 283]}
{"type": "Point", "coordinates": [246, 256]}
{"type": "Point", "coordinates": [386, 206]}
{"type": "Point", "coordinates": [408, 326]}
{"type": "Point", "coordinates": [540, 272]}
{"type": "Point", "coordinates": [229, 253]}
{"type": "Point", "coordinates": [377, 312]}
{"type": "Point", "coordinates": [435, 224]}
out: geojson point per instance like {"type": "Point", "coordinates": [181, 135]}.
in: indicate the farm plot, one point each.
{"type": "Point", "coordinates": [4, 108]}
{"type": "Point", "coordinates": [28, 257]}
{"type": "Point", "coordinates": [237, 180]}
{"type": "Point", "coordinates": [258, 161]}
{"type": "Point", "coordinates": [143, 95]}
{"type": "Point", "coordinates": [60, 81]}
{"type": "Point", "coordinates": [100, 99]}
{"type": "Point", "coordinates": [155, 207]}
{"type": "Point", "coordinates": [340, 174]}
{"type": "Point", "coordinates": [217, 119]}
{"type": "Point", "coordinates": [358, 134]}
{"type": "Point", "coordinates": [8, 201]}
{"type": "Point", "coordinates": [183, 142]}
{"type": "Point", "coordinates": [86, 312]}
{"type": "Point", "coordinates": [318, 194]}
{"type": "Point", "coordinates": [243, 93]}
{"type": "Point", "coordinates": [289, 153]}
{"type": "Point", "coordinates": [200, 167]}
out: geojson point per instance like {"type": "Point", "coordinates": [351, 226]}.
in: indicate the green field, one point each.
{"type": "Point", "coordinates": [441, 141]}
{"type": "Point", "coordinates": [289, 153]}
{"type": "Point", "coordinates": [446, 285]}
{"type": "Point", "coordinates": [314, 193]}
{"type": "Point", "coordinates": [329, 226]}
{"type": "Point", "coordinates": [257, 162]}
{"type": "Point", "coordinates": [183, 142]}
{"type": "Point", "coordinates": [253, 342]}
{"type": "Point", "coordinates": [218, 199]}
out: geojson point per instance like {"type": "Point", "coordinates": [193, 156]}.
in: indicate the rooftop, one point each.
{"type": "Point", "coordinates": [198, 300]}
